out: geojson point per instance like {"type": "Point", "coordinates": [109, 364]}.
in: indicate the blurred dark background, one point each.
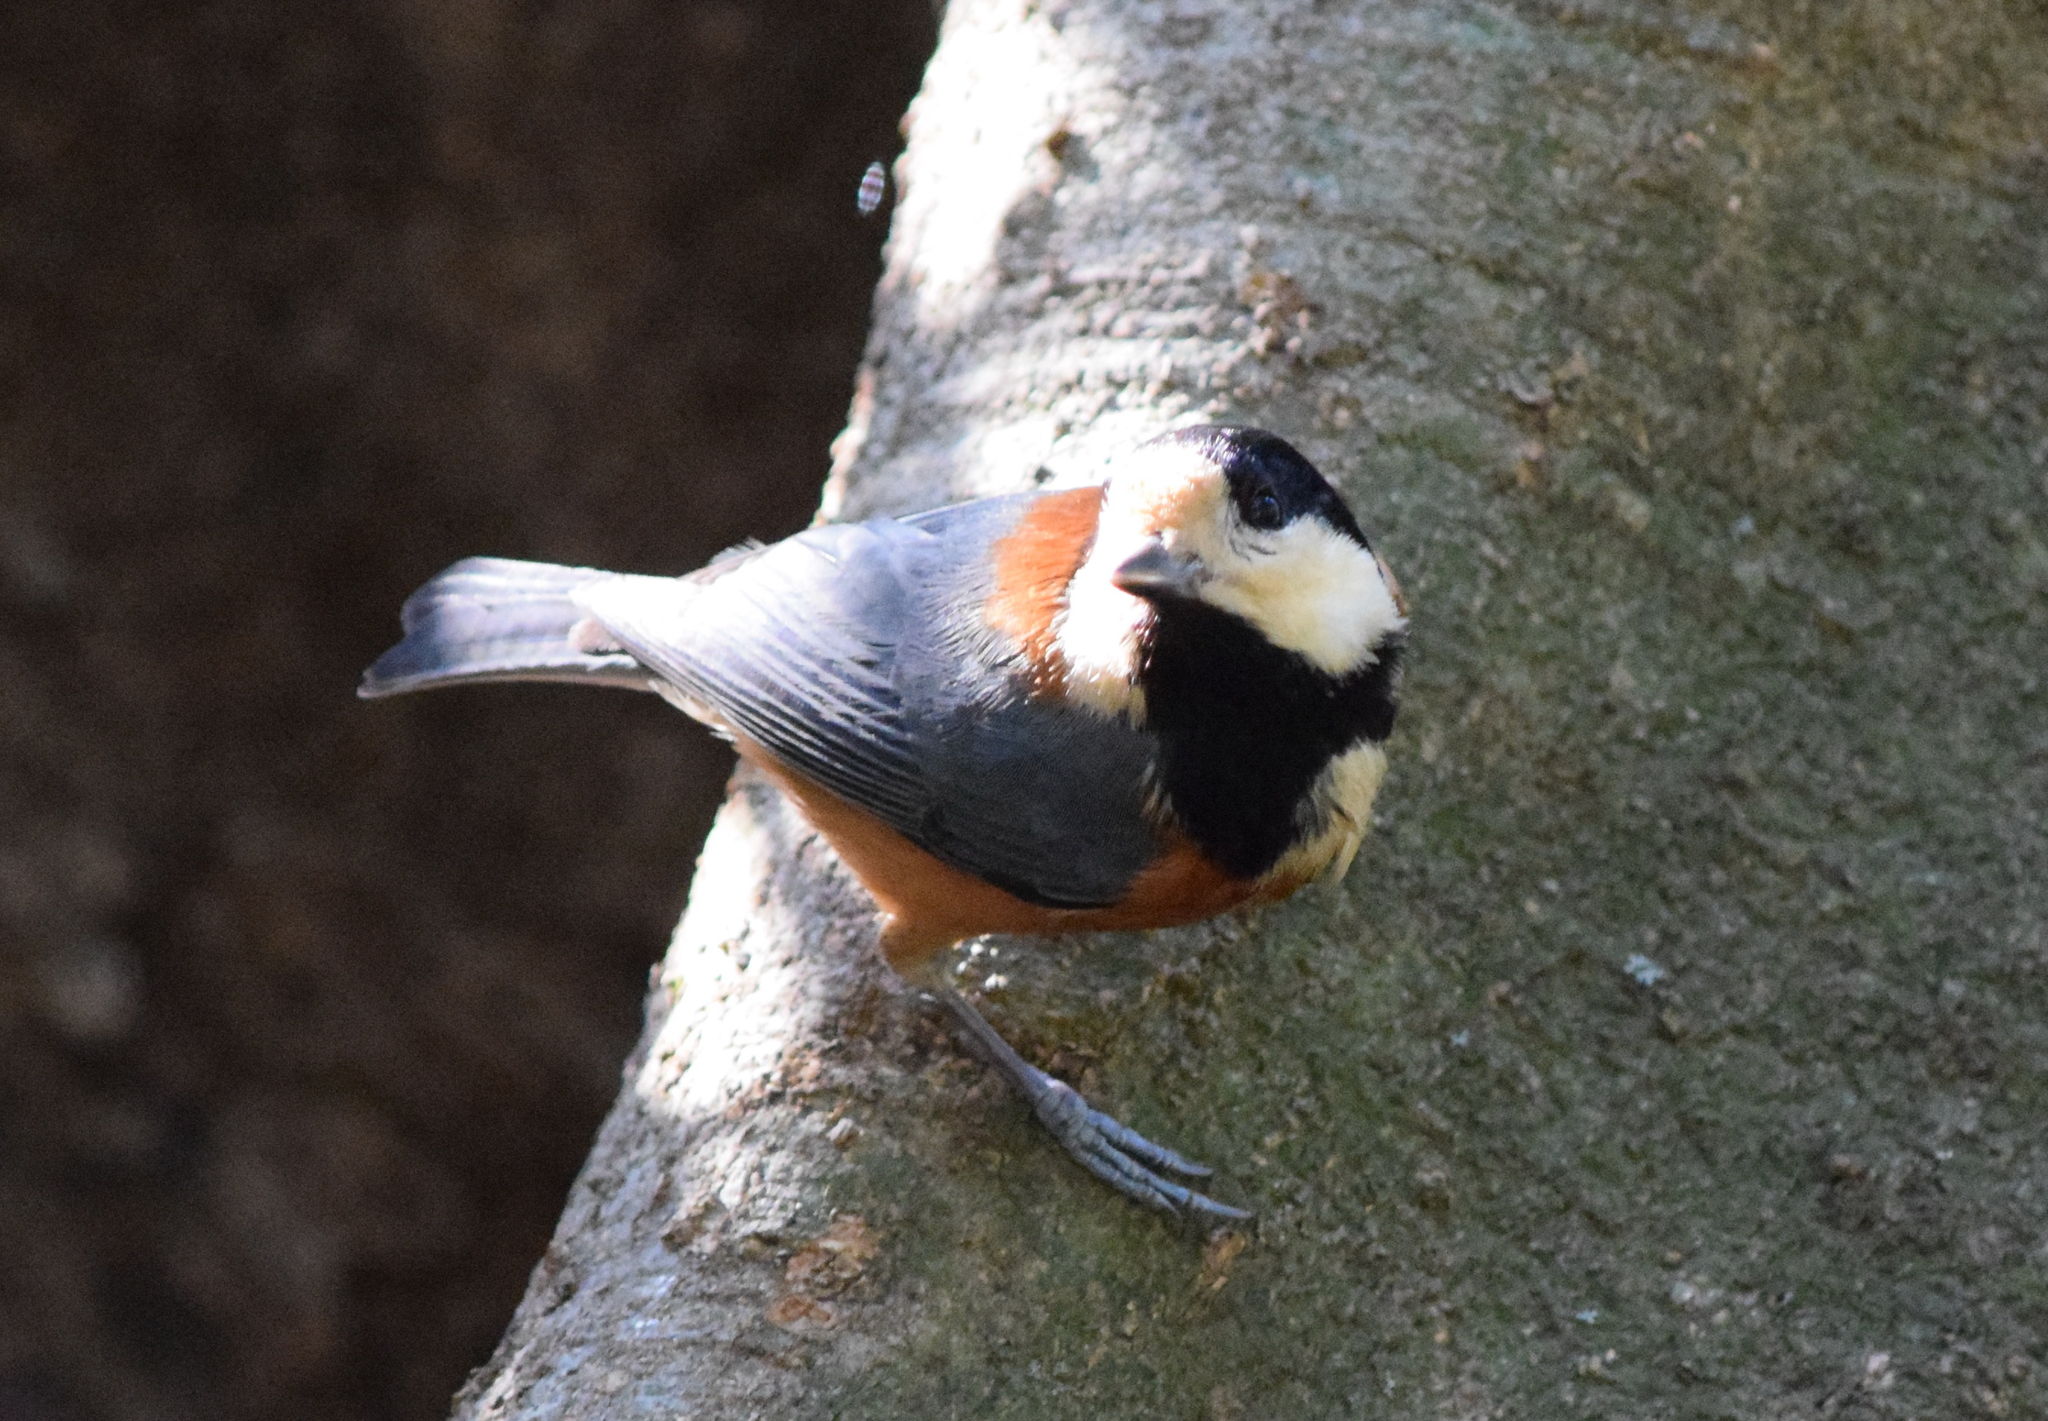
{"type": "Point", "coordinates": [308, 1008]}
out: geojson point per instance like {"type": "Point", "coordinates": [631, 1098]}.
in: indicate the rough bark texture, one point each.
{"type": "Point", "coordinates": [1675, 1049]}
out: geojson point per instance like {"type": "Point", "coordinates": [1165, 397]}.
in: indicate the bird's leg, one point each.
{"type": "Point", "coordinates": [1112, 1152]}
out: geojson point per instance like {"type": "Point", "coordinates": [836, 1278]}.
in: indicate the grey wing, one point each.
{"type": "Point", "coordinates": [768, 645]}
{"type": "Point", "coordinates": [1044, 801]}
{"type": "Point", "coordinates": [854, 655]}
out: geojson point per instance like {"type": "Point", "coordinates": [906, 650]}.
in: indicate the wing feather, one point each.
{"type": "Point", "coordinates": [841, 652]}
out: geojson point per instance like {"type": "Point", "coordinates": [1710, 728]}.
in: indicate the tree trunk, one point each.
{"type": "Point", "coordinates": [1674, 1047]}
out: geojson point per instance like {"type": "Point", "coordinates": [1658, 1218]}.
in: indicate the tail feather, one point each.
{"type": "Point", "coordinates": [494, 619]}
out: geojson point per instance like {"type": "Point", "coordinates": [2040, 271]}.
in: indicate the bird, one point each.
{"type": "Point", "coordinates": [1125, 706]}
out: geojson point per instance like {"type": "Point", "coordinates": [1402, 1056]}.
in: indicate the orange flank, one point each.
{"type": "Point", "coordinates": [928, 905]}
{"type": "Point", "coordinates": [1033, 564]}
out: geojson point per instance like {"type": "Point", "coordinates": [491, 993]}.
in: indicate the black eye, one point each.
{"type": "Point", "coordinates": [1262, 510]}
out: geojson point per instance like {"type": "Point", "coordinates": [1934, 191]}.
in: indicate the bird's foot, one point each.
{"type": "Point", "coordinates": [1119, 1155]}
{"type": "Point", "coordinates": [1106, 1148]}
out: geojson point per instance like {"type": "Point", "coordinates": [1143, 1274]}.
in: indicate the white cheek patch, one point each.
{"type": "Point", "coordinates": [1096, 635]}
{"type": "Point", "coordinates": [1159, 490]}
{"type": "Point", "coordinates": [1314, 592]}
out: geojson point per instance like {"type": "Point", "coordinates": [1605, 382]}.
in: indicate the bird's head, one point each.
{"type": "Point", "coordinates": [1236, 519]}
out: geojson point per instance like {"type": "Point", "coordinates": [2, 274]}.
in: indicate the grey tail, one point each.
{"type": "Point", "coordinates": [493, 619]}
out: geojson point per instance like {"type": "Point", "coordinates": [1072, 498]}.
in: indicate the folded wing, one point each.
{"type": "Point", "coordinates": [857, 655]}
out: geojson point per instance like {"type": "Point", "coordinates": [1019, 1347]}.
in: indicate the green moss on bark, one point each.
{"type": "Point", "coordinates": [1676, 1049]}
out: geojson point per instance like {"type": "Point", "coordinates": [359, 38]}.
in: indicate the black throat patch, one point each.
{"type": "Point", "coordinates": [1246, 728]}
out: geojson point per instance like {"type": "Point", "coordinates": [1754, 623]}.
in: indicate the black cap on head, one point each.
{"type": "Point", "coordinates": [1270, 482]}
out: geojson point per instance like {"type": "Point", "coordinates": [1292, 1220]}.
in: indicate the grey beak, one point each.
{"type": "Point", "coordinates": [1153, 572]}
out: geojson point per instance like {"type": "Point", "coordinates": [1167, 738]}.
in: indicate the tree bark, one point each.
{"type": "Point", "coordinates": [1674, 1047]}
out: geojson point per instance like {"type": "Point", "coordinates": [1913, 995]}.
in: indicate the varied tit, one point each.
{"type": "Point", "coordinates": [1120, 707]}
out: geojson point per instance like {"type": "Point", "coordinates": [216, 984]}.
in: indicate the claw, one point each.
{"type": "Point", "coordinates": [1111, 1151]}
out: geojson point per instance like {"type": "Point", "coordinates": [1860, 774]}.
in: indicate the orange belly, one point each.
{"type": "Point", "coordinates": [928, 905]}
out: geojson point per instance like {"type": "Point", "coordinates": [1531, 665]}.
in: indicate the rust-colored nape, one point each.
{"type": "Point", "coordinates": [1032, 565]}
